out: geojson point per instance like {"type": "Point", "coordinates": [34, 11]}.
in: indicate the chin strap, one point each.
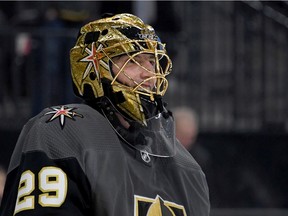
{"type": "Point", "coordinates": [161, 107]}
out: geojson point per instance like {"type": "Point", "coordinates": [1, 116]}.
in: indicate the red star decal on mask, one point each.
{"type": "Point", "coordinates": [92, 59]}
{"type": "Point", "coordinates": [62, 113]}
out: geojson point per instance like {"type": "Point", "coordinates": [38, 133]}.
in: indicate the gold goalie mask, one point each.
{"type": "Point", "coordinates": [92, 59]}
{"type": "Point", "coordinates": [106, 63]}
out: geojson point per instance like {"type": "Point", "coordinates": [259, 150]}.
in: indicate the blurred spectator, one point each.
{"type": "Point", "coordinates": [2, 181]}
{"type": "Point", "coordinates": [186, 124]}
{"type": "Point", "coordinates": [187, 129]}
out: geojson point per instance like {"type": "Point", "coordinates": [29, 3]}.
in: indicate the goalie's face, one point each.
{"type": "Point", "coordinates": [137, 71]}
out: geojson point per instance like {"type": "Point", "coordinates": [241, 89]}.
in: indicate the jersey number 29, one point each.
{"type": "Point", "coordinates": [52, 181]}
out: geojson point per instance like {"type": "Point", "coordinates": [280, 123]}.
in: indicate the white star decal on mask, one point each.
{"type": "Point", "coordinates": [92, 59]}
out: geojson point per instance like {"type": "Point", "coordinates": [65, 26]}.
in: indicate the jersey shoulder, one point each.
{"type": "Point", "coordinates": [66, 131]}
{"type": "Point", "coordinates": [72, 123]}
{"type": "Point", "coordinates": [72, 114]}
{"type": "Point", "coordinates": [69, 120]}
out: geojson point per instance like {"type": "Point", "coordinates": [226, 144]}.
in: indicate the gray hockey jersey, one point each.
{"type": "Point", "coordinates": [69, 161]}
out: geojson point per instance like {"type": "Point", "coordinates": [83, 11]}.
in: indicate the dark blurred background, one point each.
{"type": "Point", "coordinates": [230, 62]}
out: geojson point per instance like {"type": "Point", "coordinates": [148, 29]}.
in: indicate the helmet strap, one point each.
{"type": "Point", "coordinates": [161, 106]}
